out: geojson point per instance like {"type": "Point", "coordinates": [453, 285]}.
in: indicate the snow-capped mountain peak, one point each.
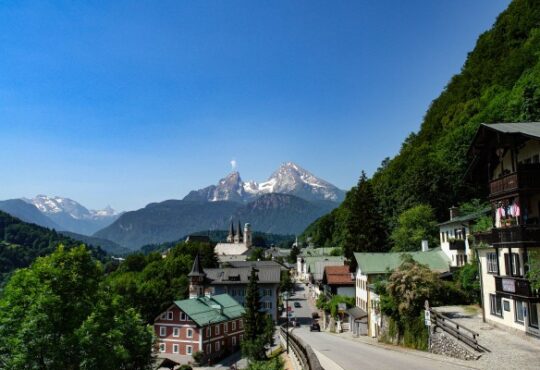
{"type": "Point", "coordinates": [55, 205]}
{"type": "Point", "coordinates": [289, 178]}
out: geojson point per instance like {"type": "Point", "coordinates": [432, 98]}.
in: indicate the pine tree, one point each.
{"type": "Point", "coordinates": [364, 224]}
{"type": "Point", "coordinates": [255, 335]}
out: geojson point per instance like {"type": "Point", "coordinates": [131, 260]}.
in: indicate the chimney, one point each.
{"type": "Point", "coordinates": [425, 246]}
{"type": "Point", "coordinates": [454, 212]}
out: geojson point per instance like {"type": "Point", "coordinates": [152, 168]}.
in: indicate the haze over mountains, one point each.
{"type": "Point", "coordinates": [286, 203]}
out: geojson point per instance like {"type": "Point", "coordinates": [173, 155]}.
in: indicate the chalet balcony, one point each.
{"type": "Point", "coordinates": [527, 177]}
{"type": "Point", "coordinates": [515, 286]}
{"type": "Point", "coordinates": [516, 236]}
{"type": "Point", "coordinates": [482, 238]}
{"type": "Point", "coordinates": [457, 245]}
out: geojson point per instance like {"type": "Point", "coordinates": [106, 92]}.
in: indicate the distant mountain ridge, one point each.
{"type": "Point", "coordinates": [289, 179]}
{"type": "Point", "coordinates": [71, 216]}
{"type": "Point", "coordinates": [172, 219]}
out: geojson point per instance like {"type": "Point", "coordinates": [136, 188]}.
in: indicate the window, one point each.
{"type": "Point", "coordinates": [233, 292]}
{"type": "Point", "coordinates": [189, 350]}
{"type": "Point", "coordinates": [217, 329]}
{"type": "Point", "coordinates": [233, 341]}
{"type": "Point", "coordinates": [520, 311]}
{"type": "Point", "coordinates": [162, 331]}
{"type": "Point", "coordinates": [162, 347]}
{"type": "Point", "coordinates": [208, 348]}
{"type": "Point", "coordinates": [492, 263]}
{"type": "Point", "coordinates": [169, 315]}
{"type": "Point", "coordinates": [241, 323]}
{"type": "Point", "coordinates": [515, 269]}
{"type": "Point", "coordinates": [217, 346]}
{"type": "Point", "coordinates": [176, 332]}
{"type": "Point", "coordinates": [495, 305]}
{"type": "Point", "coordinates": [533, 315]}
{"type": "Point", "coordinates": [189, 333]}
{"type": "Point", "coordinates": [208, 332]}
{"type": "Point", "coordinates": [164, 316]}
{"type": "Point", "coordinates": [233, 325]}
{"type": "Point", "coordinates": [226, 328]}
{"type": "Point", "coordinates": [268, 292]}
{"type": "Point", "coordinates": [183, 316]}
{"type": "Point", "coordinates": [175, 348]}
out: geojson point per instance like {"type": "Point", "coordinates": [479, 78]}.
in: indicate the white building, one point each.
{"type": "Point", "coordinates": [237, 244]}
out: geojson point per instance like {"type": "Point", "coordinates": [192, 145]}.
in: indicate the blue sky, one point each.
{"type": "Point", "coordinates": [130, 102]}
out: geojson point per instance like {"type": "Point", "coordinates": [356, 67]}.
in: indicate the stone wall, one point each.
{"type": "Point", "coordinates": [444, 344]}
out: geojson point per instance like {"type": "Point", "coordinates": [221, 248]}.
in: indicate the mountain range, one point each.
{"type": "Point", "coordinates": [286, 203]}
{"type": "Point", "coordinates": [61, 214]}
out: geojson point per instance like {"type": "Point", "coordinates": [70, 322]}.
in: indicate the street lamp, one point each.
{"type": "Point", "coordinates": [286, 298]}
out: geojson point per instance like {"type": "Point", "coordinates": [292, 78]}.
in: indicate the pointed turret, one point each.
{"type": "Point", "coordinates": [230, 237]}
{"type": "Point", "coordinates": [240, 236]}
{"type": "Point", "coordinates": [197, 277]}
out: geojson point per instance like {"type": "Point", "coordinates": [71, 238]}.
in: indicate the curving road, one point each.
{"type": "Point", "coordinates": [353, 355]}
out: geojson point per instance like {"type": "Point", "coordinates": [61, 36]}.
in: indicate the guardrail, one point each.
{"type": "Point", "coordinates": [458, 331]}
{"type": "Point", "coordinates": [305, 354]}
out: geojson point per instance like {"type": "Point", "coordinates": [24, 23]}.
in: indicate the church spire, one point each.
{"type": "Point", "coordinates": [230, 237]}
{"type": "Point", "coordinates": [197, 277]}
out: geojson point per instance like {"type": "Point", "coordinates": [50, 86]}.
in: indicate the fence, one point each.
{"type": "Point", "coordinates": [461, 333]}
{"type": "Point", "coordinates": [303, 352]}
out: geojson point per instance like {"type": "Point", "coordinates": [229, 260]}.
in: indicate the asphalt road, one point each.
{"type": "Point", "coordinates": [353, 355]}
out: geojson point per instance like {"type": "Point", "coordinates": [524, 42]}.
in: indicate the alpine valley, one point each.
{"type": "Point", "coordinates": [286, 203]}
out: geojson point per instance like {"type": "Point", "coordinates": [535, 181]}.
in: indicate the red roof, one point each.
{"type": "Point", "coordinates": [338, 275]}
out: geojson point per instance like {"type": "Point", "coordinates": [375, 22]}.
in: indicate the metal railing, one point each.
{"type": "Point", "coordinates": [305, 354]}
{"type": "Point", "coordinates": [458, 331]}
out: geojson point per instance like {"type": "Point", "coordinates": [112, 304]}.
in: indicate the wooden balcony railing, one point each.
{"type": "Point", "coordinates": [516, 236]}
{"type": "Point", "coordinates": [485, 237]}
{"type": "Point", "coordinates": [515, 286]}
{"type": "Point", "coordinates": [526, 177]}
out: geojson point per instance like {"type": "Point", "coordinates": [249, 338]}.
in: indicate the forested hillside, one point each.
{"type": "Point", "coordinates": [499, 82]}
{"type": "Point", "coordinates": [21, 243]}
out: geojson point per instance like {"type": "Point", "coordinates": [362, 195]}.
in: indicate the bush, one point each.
{"type": "Point", "coordinates": [198, 357]}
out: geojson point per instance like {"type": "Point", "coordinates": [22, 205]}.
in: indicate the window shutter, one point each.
{"type": "Point", "coordinates": [507, 264]}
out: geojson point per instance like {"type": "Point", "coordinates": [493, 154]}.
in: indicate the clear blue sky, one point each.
{"type": "Point", "coordinates": [130, 102]}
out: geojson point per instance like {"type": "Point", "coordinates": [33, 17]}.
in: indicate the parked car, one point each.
{"type": "Point", "coordinates": [315, 326]}
{"type": "Point", "coordinates": [297, 305]}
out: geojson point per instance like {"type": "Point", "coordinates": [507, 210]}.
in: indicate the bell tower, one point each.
{"type": "Point", "coordinates": [197, 278]}
{"type": "Point", "coordinates": [247, 235]}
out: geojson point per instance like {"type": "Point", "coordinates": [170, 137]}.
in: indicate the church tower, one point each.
{"type": "Point", "coordinates": [247, 236]}
{"type": "Point", "coordinates": [238, 238]}
{"type": "Point", "coordinates": [196, 279]}
{"type": "Point", "coordinates": [230, 237]}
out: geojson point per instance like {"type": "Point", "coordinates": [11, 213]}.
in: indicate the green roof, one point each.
{"type": "Point", "coordinates": [211, 310]}
{"type": "Point", "coordinates": [307, 252]}
{"type": "Point", "coordinates": [468, 217]}
{"type": "Point", "coordinates": [378, 263]}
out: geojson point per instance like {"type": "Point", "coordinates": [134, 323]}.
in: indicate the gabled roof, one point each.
{"type": "Point", "coordinates": [240, 275]}
{"type": "Point", "coordinates": [468, 217]}
{"type": "Point", "coordinates": [531, 129]}
{"type": "Point", "coordinates": [382, 263]}
{"type": "Point", "coordinates": [211, 310]}
{"type": "Point", "coordinates": [338, 275]}
{"type": "Point", "coordinates": [316, 265]}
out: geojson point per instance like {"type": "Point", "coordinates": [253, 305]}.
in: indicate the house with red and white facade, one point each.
{"type": "Point", "coordinates": [210, 324]}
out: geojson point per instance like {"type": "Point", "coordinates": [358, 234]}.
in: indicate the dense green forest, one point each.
{"type": "Point", "coordinates": [21, 243]}
{"type": "Point", "coordinates": [499, 82]}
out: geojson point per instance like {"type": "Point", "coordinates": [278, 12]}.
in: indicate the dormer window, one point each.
{"type": "Point", "coordinates": [169, 315]}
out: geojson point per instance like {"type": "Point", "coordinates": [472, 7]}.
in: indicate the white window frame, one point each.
{"type": "Point", "coordinates": [225, 327]}
{"type": "Point", "coordinates": [217, 329]}
{"type": "Point", "coordinates": [208, 348]}
{"type": "Point", "coordinates": [493, 305]}
{"type": "Point", "coordinates": [162, 331]}
{"type": "Point", "coordinates": [176, 332]}
{"type": "Point", "coordinates": [217, 346]}
{"type": "Point", "coordinates": [233, 340]}
{"type": "Point", "coordinates": [533, 307]}
{"type": "Point", "coordinates": [183, 316]}
{"type": "Point", "coordinates": [189, 350]}
{"type": "Point", "coordinates": [491, 260]}
{"type": "Point", "coordinates": [175, 348]}
{"type": "Point", "coordinates": [189, 333]}
{"type": "Point", "coordinates": [519, 310]}
{"type": "Point", "coordinates": [163, 316]}
{"type": "Point", "coordinates": [170, 315]}
{"type": "Point", "coordinates": [233, 326]}
{"type": "Point", "coordinates": [208, 331]}
{"type": "Point", "coordinates": [162, 347]}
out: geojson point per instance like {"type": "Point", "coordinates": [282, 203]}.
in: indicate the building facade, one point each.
{"type": "Point", "coordinates": [372, 267]}
{"type": "Point", "coordinates": [506, 157]}
{"type": "Point", "coordinates": [210, 324]}
{"type": "Point", "coordinates": [238, 243]}
{"type": "Point", "coordinates": [454, 236]}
